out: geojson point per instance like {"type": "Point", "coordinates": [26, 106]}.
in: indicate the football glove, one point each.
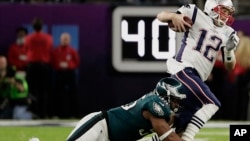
{"type": "Point", "coordinates": [232, 42]}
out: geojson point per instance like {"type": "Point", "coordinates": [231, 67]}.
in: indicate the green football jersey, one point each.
{"type": "Point", "coordinates": [126, 123]}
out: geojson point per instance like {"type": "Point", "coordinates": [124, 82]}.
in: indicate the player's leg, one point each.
{"type": "Point", "coordinates": [98, 132]}
{"type": "Point", "coordinates": [199, 106]}
{"type": "Point", "coordinates": [198, 120]}
{"type": "Point", "coordinates": [90, 128]}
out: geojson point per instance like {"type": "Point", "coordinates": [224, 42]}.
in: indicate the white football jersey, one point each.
{"type": "Point", "coordinates": [201, 44]}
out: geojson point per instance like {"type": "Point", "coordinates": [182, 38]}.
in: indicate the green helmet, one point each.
{"type": "Point", "coordinates": [171, 90]}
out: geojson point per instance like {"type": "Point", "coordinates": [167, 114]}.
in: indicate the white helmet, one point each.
{"type": "Point", "coordinates": [213, 9]}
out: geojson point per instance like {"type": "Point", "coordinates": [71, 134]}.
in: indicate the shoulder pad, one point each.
{"type": "Point", "coordinates": [158, 108]}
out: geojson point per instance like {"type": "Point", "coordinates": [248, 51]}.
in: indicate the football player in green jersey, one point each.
{"type": "Point", "coordinates": [153, 112]}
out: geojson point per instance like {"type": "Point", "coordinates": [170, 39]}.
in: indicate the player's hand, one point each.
{"type": "Point", "coordinates": [179, 23]}
{"type": "Point", "coordinates": [232, 42]}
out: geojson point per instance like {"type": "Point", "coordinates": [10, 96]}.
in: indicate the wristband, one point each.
{"type": "Point", "coordinates": [166, 134]}
{"type": "Point", "coordinates": [229, 56]}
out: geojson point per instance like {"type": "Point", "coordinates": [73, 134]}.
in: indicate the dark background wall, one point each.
{"type": "Point", "coordinates": [100, 86]}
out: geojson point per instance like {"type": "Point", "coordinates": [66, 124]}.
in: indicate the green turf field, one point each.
{"type": "Point", "coordinates": [213, 134]}
{"type": "Point", "coordinates": [45, 133]}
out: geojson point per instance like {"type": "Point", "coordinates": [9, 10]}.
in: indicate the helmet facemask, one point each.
{"type": "Point", "coordinates": [224, 15]}
{"type": "Point", "coordinates": [175, 99]}
{"type": "Point", "coordinates": [169, 90]}
{"type": "Point", "coordinates": [220, 11]}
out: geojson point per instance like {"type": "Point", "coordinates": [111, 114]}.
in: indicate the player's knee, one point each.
{"type": "Point", "coordinates": [206, 112]}
{"type": "Point", "coordinates": [218, 104]}
{"type": "Point", "coordinates": [210, 109]}
{"type": "Point", "coordinates": [198, 120]}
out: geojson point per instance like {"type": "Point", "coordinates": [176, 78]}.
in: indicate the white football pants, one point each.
{"type": "Point", "coordinates": [98, 132]}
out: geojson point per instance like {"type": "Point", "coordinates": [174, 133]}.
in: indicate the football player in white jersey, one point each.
{"type": "Point", "coordinates": [209, 33]}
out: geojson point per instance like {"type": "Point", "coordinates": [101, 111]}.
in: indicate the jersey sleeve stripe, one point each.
{"type": "Point", "coordinates": [194, 14]}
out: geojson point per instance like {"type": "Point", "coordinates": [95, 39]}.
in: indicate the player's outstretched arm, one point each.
{"type": "Point", "coordinates": [165, 16]}
{"type": "Point", "coordinates": [162, 128]}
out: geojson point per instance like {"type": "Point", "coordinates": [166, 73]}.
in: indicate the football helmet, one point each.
{"type": "Point", "coordinates": [214, 8]}
{"type": "Point", "coordinates": [171, 91]}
